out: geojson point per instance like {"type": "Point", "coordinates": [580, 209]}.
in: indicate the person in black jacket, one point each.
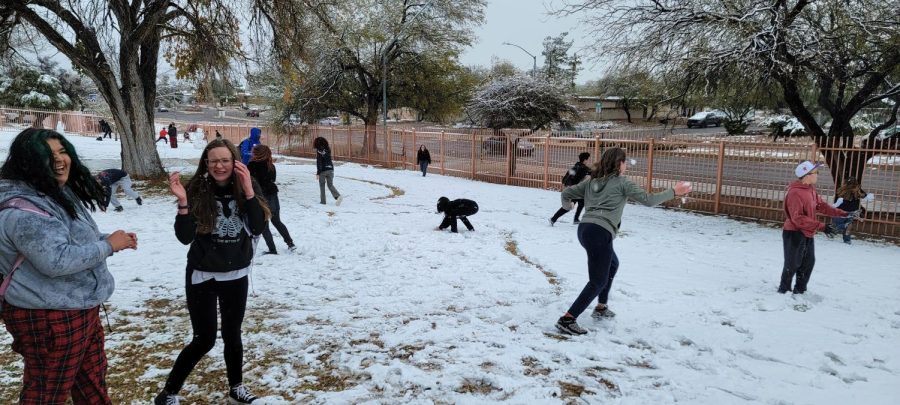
{"type": "Point", "coordinates": [575, 175]}
{"type": "Point", "coordinates": [461, 208]}
{"type": "Point", "coordinates": [173, 135]}
{"type": "Point", "coordinates": [111, 180]}
{"type": "Point", "coordinates": [423, 158]}
{"type": "Point", "coordinates": [106, 129]}
{"type": "Point", "coordinates": [219, 215]}
{"type": "Point", "coordinates": [325, 171]}
{"type": "Point", "coordinates": [262, 168]}
{"type": "Point", "coordinates": [848, 198]}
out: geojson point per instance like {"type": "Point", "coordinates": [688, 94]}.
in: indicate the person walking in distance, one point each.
{"type": "Point", "coordinates": [107, 130]}
{"type": "Point", "coordinates": [801, 203]}
{"type": "Point", "coordinates": [423, 158]}
{"type": "Point", "coordinates": [219, 215]}
{"type": "Point", "coordinates": [325, 171]}
{"type": "Point", "coordinates": [605, 195]}
{"type": "Point", "coordinates": [573, 176]}
{"type": "Point", "coordinates": [53, 266]}
{"type": "Point", "coordinates": [173, 135]}
{"type": "Point", "coordinates": [262, 168]}
{"type": "Point", "coordinates": [112, 180]}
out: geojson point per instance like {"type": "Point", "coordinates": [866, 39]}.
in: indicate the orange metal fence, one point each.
{"type": "Point", "coordinates": [736, 176]}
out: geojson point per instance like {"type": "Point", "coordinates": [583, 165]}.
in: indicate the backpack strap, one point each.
{"type": "Point", "coordinates": [24, 205]}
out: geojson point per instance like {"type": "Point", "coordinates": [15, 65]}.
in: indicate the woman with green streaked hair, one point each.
{"type": "Point", "coordinates": [52, 301]}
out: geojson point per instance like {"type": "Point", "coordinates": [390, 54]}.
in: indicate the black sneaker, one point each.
{"type": "Point", "coordinates": [783, 290]}
{"type": "Point", "coordinates": [602, 313]}
{"type": "Point", "coordinates": [552, 222]}
{"type": "Point", "coordinates": [239, 394]}
{"type": "Point", "coordinates": [270, 252]}
{"type": "Point", "coordinates": [119, 209]}
{"type": "Point", "coordinates": [292, 248]}
{"type": "Point", "coordinates": [139, 201]}
{"type": "Point", "coordinates": [568, 326]}
{"type": "Point", "coordinates": [576, 222]}
{"type": "Point", "coordinates": [164, 398]}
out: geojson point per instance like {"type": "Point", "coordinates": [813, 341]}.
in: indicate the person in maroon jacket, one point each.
{"type": "Point", "coordinates": [801, 203]}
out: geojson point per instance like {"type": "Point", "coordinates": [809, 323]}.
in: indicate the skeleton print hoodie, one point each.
{"type": "Point", "coordinates": [230, 245]}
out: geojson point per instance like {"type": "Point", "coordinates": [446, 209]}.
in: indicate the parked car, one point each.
{"type": "Point", "coordinates": [253, 113]}
{"type": "Point", "coordinates": [330, 121]}
{"type": "Point", "coordinates": [162, 108]}
{"type": "Point", "coordinates": [705, 119]}
{"type": "Point", "coordinates": [496, 145]}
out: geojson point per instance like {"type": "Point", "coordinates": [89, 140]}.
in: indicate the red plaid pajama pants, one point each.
{"type": "Point", "coordinates": [63, 354]}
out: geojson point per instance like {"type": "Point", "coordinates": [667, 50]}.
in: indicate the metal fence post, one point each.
{"type": "Point", "coordinates": [443, 156]}
{"type": "Point", "coordinates": [652, 146]}
{"type": "Point", "coordinates": [596, 147]}
{"type": "Point", "coordinates": [415, 146]}
{"type": "Point", "coordinates": [473, 154]}
{"type": "Point", "coordinates": [509, 152]}
{"type": "Point", "coordinates": [720, 165]}
{"type": "Point", "coordinates": [547, 162]}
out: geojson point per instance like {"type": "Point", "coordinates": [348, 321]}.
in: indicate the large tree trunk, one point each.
{"type": "Point", "coordinates": [134, 118]}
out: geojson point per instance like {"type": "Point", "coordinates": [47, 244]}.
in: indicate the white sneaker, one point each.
{"type": "Point", "coordinates": [339, 201]}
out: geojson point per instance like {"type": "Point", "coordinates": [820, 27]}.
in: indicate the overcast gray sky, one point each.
{"type": "Point", "coordinates": [525, 23]}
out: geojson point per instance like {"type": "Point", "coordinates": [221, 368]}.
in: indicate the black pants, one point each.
{"type": "Point", "coordinates": [602, 266]}
{"type": "Point", "coordinates": [579, 205]}
{"type": "Point", "coordinates": [799, 259]}
{"type": "Point", "coordinates": [451, 222]}
{"type": "Point", "coordinates": [231, 297]}
{"type": "Point", "coordinates": [275, 207]}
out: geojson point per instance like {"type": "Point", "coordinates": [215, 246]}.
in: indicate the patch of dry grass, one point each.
{"type": "Point", "coordinates": [477, 386]}
{"type": "Point", "coordinates": [513, 248]}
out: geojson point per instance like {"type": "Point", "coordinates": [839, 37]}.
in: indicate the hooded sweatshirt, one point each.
{"type": "Point", "coordinates": [248, 144]}
{"type": "Point", "coordinates": [801, 203]}
{"type": "Point", "coordinates": [605, 198]}
{"type": "Point", "coordinates": [323, 160]}
{"type": "Point", "coordinates": [65, 257]}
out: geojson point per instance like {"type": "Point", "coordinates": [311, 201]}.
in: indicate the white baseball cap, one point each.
{"type": "Point", "coordinates": [806, 167]}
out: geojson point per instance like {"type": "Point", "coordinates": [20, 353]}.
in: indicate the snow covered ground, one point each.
{"type": "Point", "coordinates": [378, 307]}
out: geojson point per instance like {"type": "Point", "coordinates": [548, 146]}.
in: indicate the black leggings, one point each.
{"type": "Point", "coordinates": [275, 207]}
{"type": "Point", "coordinates": [562, 211]}
{"type": "Point", "coordinates": [202, 298]}
{"type": "Point", "coordinates": [602, 266]}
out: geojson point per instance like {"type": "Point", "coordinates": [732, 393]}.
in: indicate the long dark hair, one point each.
{"type": "Point", "coordinates": [609, 164]}
{"type": "Point", "coordinates": [262, 153]}
{"type": "Point", "coordinates": [320, 143]}
{"type": "Point", "coordinates": [850, 190]}
{"type": "Point", "coordinates": [201, 190]}
{"type": "Point", "coordinates": [30, 160]}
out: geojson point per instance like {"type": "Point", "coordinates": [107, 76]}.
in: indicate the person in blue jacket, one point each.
{"type": "Point", "coordinates": [248, 143]}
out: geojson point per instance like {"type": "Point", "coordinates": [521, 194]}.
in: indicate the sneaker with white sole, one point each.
{"type": "Point", "coordinates": [164, 398]}
{"type": "Point", "coordinates": [568, 326]}
{"type": "Point", "coordinates": [602, 313]}
{"type": "Point", "coordinates": [292, 248]}
{"type": "Point", "coordinates": [239, 394]}
{"type": "Point", "coordinates": [339, 201]}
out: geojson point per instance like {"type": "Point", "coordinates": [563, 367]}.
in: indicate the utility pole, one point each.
{"type": "Point", "coordinates": [534, 58]}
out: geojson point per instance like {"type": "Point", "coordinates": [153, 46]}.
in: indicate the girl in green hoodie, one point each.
{"type": "Point", "coordinates": [605, 195]}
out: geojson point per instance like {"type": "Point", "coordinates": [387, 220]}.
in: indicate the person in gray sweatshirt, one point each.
{"type": "Point", "coordinates": [605, 195]}
{"type": "Point", "coordinates": [46, 196]}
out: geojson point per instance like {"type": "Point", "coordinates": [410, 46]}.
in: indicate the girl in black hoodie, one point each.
{"type": "Point", "coordinates": [262, 168]}
{"type": "Point", "coordinates": [219, 215]}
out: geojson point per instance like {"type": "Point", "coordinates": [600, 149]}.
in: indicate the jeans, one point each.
{"type": "Point", "coordinates": [423, 167]}
{"type": "Point", "coordinates": [202, 299]}
{"type": "Point", "coordinates": [275, 207]}
{"type": "Point", "coordinates": [327, 177]}
{"type": "Point", "coordinates": [125, 184]}
{"type": "Point", "coordinates": [799, 259]}
{"type": "Point", "coordinates": [843, 226]}
{"type": "Point", "coordinates": [602, 266]}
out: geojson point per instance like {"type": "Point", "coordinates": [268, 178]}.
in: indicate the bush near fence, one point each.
{"type": "Point", "coordinates": [741, 176]}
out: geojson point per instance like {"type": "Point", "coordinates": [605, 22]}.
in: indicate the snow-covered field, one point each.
{"type": "Point", "coordinates": [378, 307]}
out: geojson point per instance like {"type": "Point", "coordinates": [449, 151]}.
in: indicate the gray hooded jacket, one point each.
{"type": "Point", "coordinates": [65, 258]}
{"type": "Point", "coordinates": [605, 198]}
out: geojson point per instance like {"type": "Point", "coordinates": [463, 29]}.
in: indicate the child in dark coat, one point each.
{"type": "Point", "coordinates": [461, 208]}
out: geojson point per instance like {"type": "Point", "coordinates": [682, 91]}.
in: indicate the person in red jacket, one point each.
{"type": "Point", "coordinates": [801, 203]}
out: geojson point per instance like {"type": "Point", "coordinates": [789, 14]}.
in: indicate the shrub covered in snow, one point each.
{"type": "Point", "coordinates": [519, 102]}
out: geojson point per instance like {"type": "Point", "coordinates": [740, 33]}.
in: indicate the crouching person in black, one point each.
{"type": "Point", "coordinates": [461, 208]}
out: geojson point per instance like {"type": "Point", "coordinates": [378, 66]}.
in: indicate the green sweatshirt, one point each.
{"type": "Point", "coordinates": [604, 199]}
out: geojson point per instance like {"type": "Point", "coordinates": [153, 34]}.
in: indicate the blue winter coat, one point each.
{"type": "Point", "coordinates": [248, 144]}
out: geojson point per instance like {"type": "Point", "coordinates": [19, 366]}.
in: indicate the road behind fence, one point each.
{"type": "Point", "coordinates": [737, 176]}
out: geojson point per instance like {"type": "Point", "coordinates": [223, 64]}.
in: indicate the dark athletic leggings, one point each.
{"type": "Point", "coordinates": [202, 300]}
{"type": "Point", "coordinates": [602, 266]}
